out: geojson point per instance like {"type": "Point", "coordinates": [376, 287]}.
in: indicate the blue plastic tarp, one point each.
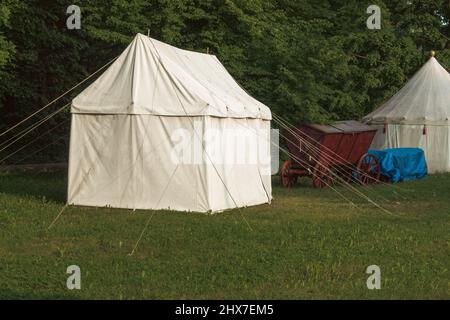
{"type": "Point", "coordinates": [402, 164]}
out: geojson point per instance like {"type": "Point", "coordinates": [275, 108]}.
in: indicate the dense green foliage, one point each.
{"type": "Point", "coordinates": [308, 244]}
{"type": "Point", "coordinates": [308, 60]}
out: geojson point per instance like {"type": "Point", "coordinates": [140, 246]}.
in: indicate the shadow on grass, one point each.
{"type": "Point", "coordinates": [40, 185]}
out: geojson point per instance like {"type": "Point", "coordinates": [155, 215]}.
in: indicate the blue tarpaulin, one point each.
{"type": "Point", "coordinates": [402, 164]}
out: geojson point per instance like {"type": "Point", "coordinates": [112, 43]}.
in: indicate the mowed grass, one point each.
{"type": "Point", "coordinates": [308, 244]}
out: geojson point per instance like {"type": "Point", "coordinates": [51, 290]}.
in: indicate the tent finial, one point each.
{"type": "Point", "coordinates": [148, 32]}
{"type": "Point", "coordinates": [433, 53]}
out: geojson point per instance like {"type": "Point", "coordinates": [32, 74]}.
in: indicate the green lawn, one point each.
{"type": "Point", "coordinates": [308, 244]}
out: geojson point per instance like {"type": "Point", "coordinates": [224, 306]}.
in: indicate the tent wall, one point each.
{"type": "Point", "coordinates": [242, 161]}
{"type": "Point", "coordinates": [435, 143]}
{"type": "Point", "coordinates": [133, 161]}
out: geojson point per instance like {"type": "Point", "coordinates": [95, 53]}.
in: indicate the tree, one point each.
{"type": "Point", "coordinates": [6, 47]}
{"type": "Point", "coordinates": [309, 61]}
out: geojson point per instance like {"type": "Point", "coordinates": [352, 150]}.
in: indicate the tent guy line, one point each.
{"type": "Point", "coordinates": [58, 98]}
{"type": "Point", "coordinates": [58, 216]}
{"type": "Point", "coordinates": [315, 152]}
{"type": "Point", "coordinates": [30, 128]}
{"type": "Point", "coordinates": [291, 128]}
{"type": "Point", "coordinates": [151, 216]}
{"type": "Point", "coordinates": [336, 176]}
{"type": "Point", "coordinates": [34, 126]}
{"type": "Point", "coordinates": [351, 188]}
{"type": "Point", "coordinates": [34, 140]}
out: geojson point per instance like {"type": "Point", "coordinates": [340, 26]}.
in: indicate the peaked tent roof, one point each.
{"type": "Point", "coordinates": [151, 77]}
{"type": "Point", "coordinates": [425, 99]}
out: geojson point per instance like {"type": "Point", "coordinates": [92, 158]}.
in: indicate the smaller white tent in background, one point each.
{"type": "Point", "coordinates": [418, 116]}
{"type": "Point", "coordinates": [165, 128]}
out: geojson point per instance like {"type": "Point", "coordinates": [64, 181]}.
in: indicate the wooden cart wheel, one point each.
{"type": "Point", "coordinates": [369, 169]}
{"type": "Point", "coordinates": [287, 180]}
{"type": "Point", "coordinates": [322, 176]}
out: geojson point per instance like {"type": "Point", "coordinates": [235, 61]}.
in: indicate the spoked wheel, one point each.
{"type": "Point", "coordinates": [369, 169]}
{"type": "Point", "coordinates": [288, 180]}
{"type": "Point", "coordinates": [322, 176]}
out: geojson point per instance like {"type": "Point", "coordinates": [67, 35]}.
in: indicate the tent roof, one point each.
{"type": "Point", "coordinates": [425, 99]}
{"type": "Point", "coordinates": [151, 77]}
{"type": "Point", "coordinates": [347, 126]}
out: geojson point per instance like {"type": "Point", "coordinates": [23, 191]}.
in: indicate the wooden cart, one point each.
{"type": "Point", "coordinates": [329, 152]}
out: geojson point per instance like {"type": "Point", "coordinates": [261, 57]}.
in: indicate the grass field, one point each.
{"type": "Point", "coordinates": [308, 244]}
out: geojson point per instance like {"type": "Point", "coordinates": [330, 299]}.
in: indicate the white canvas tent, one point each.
{"type": "Point", "coordinates": [165, 128]}
{"type": "Point", "coordinates": [418, 116]}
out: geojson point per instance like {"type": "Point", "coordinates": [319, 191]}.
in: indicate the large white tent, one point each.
{"type": "Point", "coordinates": [165, 128]}
{"type": "Point", "coordinates": [418, 116]}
